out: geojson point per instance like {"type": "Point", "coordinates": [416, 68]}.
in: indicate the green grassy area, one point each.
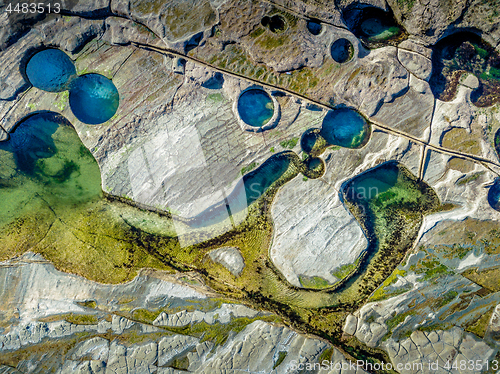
{"type": "Point", "coordinates": [430, 267]}
{"type": "Point", "coordinates": [469, 179]}
{"type": "Point", "coordinates": [248, 168]}
{"type": "Point", "coordinates": [218, 333]}
{"type": "Point", "coordinates": [315, 283]}
{"type": "Point", "coordinates": [74, 318]}
{"type": "Point", "coordinates": [281, 357]}
{"type": "Point", "coordinates": [479, 326]}
{"type": "Point", "coordinates": [382, 293]}
{"type": "Point", "coordinates": [215, 97]}
{"type": "Point", "coordinates": [290, 143]}
{"type": "Point", "coordinates": [91, 304]}
{"type": "Point", "coordinates": [344, 270]}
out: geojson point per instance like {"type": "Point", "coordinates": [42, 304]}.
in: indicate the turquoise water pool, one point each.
{"type": "Point", "coordinates": [378, 29]}
{"type": "Point", "coordinates": [255, 107]}
{"type": "Point", "coordinates": [93, 99]}
{"type": "Point", "coordinates": [375, 182]}
{"type": "Point", "coordinates": [344, 127]}
{"type": "Point", "coordinates": [308, 140]}
{"type": "Point", "coordinates": [314, 27]}
{"type": "Point", "coordinates": [50, 70]}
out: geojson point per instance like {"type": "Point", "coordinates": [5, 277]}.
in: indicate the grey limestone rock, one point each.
{"type": "Point", "coordinates": [437, 348]}
{"type": "Point", "coordinates": [350, 325]}
{"type": "Point", "coordinates": [122, 31]}
{"type": "Point", "coordinates": [3, 135]}
{"type": "Point", "coordinates": [379, 77]}
{"type": "Point", "coordinates": [172, 21]}
{"type": "Point", "coordinates": [219, 315]}
{"type": "Point", "coordinates": [417, 64]}
{"type": "Point", "coordinates": [230, 258]}
{"type": "Point", "coordinates": [469, 80]}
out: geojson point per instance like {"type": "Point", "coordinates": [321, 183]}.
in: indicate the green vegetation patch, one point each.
{"type": "Point", "coordinates": [291, 143]}
{"type": "Point", "coordinates": [281, 357]}
{"type": "Point", "coordinates": [383, 293]}
{"type": "Point", "coordinates": [74, 318]}
{"type": "Point", "coordinates": [344, 270]}
{"type": "Point", "coordinates": [326, 355]}
{"type": "Point", "coordinates": [479, 326]}
{"type": "Point", "coordinates": [398, 319]}
{"type": "Point", "coordinates": [470, 178]}
{"type": "Point", "coordinates": [314, 282]}
{"type": "Point", "coordinates": [447, 298]}
{"type": "Point", "coordinates": [430, 267]}
{"type": "Point", "coordinates": [489, 279]}
{"type": "Point", "coordinates": [88, 304]}
{"type": "Point", "coordinates": [218, 332]}
{"type": "Point", "coordinates": [248, 168]}
{"type": "Point", "coordinates": [215, 97]}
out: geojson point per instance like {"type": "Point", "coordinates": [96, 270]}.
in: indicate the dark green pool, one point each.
{"type": "Point", "coordinates": [45, 158]}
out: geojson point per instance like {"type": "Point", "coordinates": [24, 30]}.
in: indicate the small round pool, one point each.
{"type": "Point", "coordinates": [315, 167]}
{"type": "Point", "coordinates": [344, 127]}
{"type": "Point", "coordinates": [93, 98]}
{"type": "Point", "coordinates": [342, 50]}
{"type": "Point", "coordinates": [314, 27]}
{"type": "Point", "coordinates": [255, 107]}
{"type": "Point", "coordinates": [50, 70]}
{"type": "Point", "coordinates": [494, 196]}
{"type": "Point", "coordinates": [276, 23]}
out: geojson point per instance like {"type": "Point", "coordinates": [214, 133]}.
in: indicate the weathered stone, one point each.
{"type": "Point", "coordinates": [350, 324]}
{"type": "Point", "coordinates": [315, 235]}
{"type": "Point", "coordinates": [469, 80]}
{"type": "Point", "coordinates": [416, 64]}
{"type": "Point", "coordinates": [174, 21]}
{"type": "Point", "coordinates": [230, 258]}
{"type": "Point", "coordinates": [97, 348]}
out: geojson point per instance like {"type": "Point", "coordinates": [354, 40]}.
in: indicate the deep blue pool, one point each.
{"type": "Point", "coordinates": [344, 127]}
{"type": "Point", "coordinates": [308, 140]}
{"type": "Point", "coordinates": [50, 70]}
{"type": "Point", "coordinates": [93, 98]}
{"type": "Point", "coordinates": [255, 107]}
{"type": "Point", "coordinates": [494, 196]}
{"type": "Point", "coordinates": [342, 50]}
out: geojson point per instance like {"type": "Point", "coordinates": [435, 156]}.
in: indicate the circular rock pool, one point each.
{"type": "Point", "coordinates": [345, 127]}
{"type": "Point", "coordinates": [342, 50]}
{"type": "Point", "coordinates": [93, 98]}
{"type": "Point", "coordinates": [50, 70]}
{"type": "Point", "coordinates": [276, 23]}
{"type": "Point", "coordinates": [255, 107]}
{"type": "Point", "coordinates": [494, 196]}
